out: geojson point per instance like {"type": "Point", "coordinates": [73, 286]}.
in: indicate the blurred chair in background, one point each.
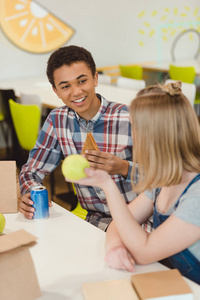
{"type": "Point", "coordinates": [188, 89]}
{"type": "Point", "coordinates": [185, 74]}
{"type": "Point", "coordinates": [135, 84]}
{"type": "Point", "coordinates": [78, 210]}
{"type": "Point", "coordinates": [134, 72]}
{"type": "Point", "coordinates": [36, 99]}
{"type": "Point", "coordinates": [6, 122]}
{"type": "Point", "coordinates": [2, 121]}
{"type": "Point", "coordinates": [31, 99]}
{"type": "Point", "coordinates": [105, 79]}
{"type": "Point", "coordinates": [26, 121]}
{"type": "Point", "coordinates": [197, 104]}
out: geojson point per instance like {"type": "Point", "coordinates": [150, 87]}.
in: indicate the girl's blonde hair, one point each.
{"type": "Point", "coordinates": [166, 136]}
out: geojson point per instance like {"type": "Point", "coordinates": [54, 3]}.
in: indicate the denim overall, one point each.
{"type": "Point", "coordinates": [184, 261]}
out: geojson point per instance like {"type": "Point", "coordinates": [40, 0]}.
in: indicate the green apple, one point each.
{"type": "Point", "coordinates": [73, 167]}
{"type": "Point", "coordinates": [2, 223]}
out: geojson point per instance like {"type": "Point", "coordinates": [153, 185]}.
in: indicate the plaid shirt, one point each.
{"type": "Point", "coordinates": [64, 133]}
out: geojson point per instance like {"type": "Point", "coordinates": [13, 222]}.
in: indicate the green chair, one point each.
{"type": "Point", "coordinates": [78, 210]}
{"type": "Point", "coordinates": [185, 74]}
{"type": "Point", "coordinates": [134, 72]}
{"type": "Point", "coordinates": [26, 120]}
{"type": "Point", "coordinates": [197, 104]}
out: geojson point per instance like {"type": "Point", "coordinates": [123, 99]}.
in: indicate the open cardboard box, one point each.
{"type": "Point", "coordinates": [18, 279]}
{"type": "Point", "coordinates": [161, 285]}
{"type": "Point", "coordinates": [9, 187]}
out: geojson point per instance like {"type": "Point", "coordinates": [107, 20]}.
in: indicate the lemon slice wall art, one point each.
{"type": "Point", "coordinates": [31, 27]}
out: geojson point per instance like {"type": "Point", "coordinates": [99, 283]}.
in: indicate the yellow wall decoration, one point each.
{"type": "Point", "coordinates": [31, 27]}
{"type": "Point", "coordinates": [169, 21]}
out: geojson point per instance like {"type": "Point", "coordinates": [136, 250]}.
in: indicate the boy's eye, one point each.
{"type": "Point", "coordinates": [65, 87]}
{"type": "Point", "coordinates": [82, 81]}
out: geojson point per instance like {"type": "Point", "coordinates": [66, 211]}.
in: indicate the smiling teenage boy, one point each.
{"type": "Point", "coordinates": [72, 72]}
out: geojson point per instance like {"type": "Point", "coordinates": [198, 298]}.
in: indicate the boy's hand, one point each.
{"type": "Point", "coordinates": [25, 206]}
{"type": "Point", "coordinates": [107, 162]}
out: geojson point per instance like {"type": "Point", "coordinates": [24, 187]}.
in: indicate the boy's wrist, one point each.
{"type": "Point", "coordinates": [125, 168]}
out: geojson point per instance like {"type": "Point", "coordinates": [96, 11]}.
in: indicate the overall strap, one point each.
{"type": "Point", "coordinates": [196, 178]}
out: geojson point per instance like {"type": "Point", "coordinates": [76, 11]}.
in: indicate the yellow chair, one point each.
{"type": "Point", "coordinates": [26, 120]}
{"type": "Point", "coordinates": [37, 100]}
{"type": "Point", "coordinates": [185, 74]}
{"type": "Point", "coordinates": [78, 210]}
{"type": "Point", "coordinates": [197, 104]}
{"type": "Point", "coordinates": [134, 72]}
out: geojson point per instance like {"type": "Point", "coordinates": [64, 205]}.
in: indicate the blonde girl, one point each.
{"type": "Point", "coordinates": [166, 138]}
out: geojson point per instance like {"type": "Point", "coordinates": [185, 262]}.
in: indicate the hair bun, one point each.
{"type": "Point", "coordinates": [173, 88]}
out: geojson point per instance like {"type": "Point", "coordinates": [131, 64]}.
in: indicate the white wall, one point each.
{"type": "Point", "coordinates": [115, 32]}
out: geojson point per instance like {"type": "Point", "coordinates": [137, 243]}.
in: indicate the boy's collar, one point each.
{"type": "Point", "coordinates": [100, 111]}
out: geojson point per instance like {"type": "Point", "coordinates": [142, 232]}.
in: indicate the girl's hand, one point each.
{"type": "Point", "coordinates": [94, 177]}
{"type": "Point", "coordinates": [119, 258]}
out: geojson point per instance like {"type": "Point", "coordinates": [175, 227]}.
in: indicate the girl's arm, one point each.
{"type": "Point", "coordinates": [117, 255]}
{"type": "Point", "coordinates": [173, 236]}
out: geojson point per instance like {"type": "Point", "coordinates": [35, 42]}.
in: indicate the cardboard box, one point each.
{"type": "Point", "coordinates": [162, 285]}
{"type": "Point", "coordinates": [109, 290]}
{"type": "Point", "coordinates": [18, 279]}
{"type": "Point", "coordinates": [9, 187]}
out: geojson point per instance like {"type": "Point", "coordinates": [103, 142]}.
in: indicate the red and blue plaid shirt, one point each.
{"type": "Point", "coordinates": [64, 133]}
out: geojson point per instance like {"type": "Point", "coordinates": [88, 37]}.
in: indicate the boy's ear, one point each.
{"type": "Point", "coordinates": [96, 79]}
{"type": "Point", "coordinates": [55, 90]}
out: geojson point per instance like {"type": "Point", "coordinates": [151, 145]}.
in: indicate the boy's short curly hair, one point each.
{"type": "Point", "coordinates": [67, 56]}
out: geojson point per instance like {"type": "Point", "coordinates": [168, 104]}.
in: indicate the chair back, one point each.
{"type": "Point", "coordinates": [78, 210]}
{"type": "Point", "coordinates": [134, 72]}
{"type": "Point", "coordinates": [188, 89]}
{"type": "Point", "coordinates": [185, 74]}
{"type": "Point", "coordinates": [5, 95]}
{"type": "Point", "coordinates": [105, 79]}
{"type": "Point", "coordinates": [135, 84]}
{"type": "Point", "coordinates": [26, 120]}
{"type": "Point", "coordinates": [29, 99]}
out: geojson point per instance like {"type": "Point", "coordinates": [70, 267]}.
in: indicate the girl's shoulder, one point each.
{"type": "Point", "coordinates": [152, 194]}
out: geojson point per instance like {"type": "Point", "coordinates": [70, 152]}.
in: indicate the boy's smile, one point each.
{"type": "Point", "coordinates": [75, 85]}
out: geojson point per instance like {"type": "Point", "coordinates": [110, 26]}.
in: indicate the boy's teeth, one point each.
{"type": "Point", "coordinates": [80, 100]}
